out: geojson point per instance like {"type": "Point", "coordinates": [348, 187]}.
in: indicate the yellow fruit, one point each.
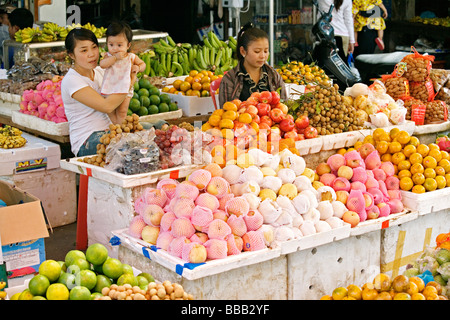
{"type": "Point", "coordinates": [342, 151]}
{"type": "Point", "coordinates": [377, 133]}
{"type": "Point", "coordinates": [445, 155]}
{"type": "Point", "coordinates": [394, 147]}
{"type": "Point", "coordinates": [339, 293]}
{"type": "Point", "coordinates": [408, 150]}
{"type": "Point", "coordinates": [385, 137]}
{"type": "Point", "coordinates": [384, 295]}
{"type": "Point", "coordinates": [57, 291]}
{"type": "Point", "coordinates": [404, 173]}
{"type": "Point", "coordinates": [423, 150]}
{"type": "Point", "coordinates": [416, 168]}
{"type": "Point", "coordinates": [369, 294]}
{"type": "Point", "coordinates": [439, 171]}
{"type": "Point", "coordinates": [414, 141]}
{"type": "Point", "coordinates": [354, 291]}
{"type": "Point", "coordinates": [445, 164]}
{"type": "Point", "coordinates": [429, 162]}
{"type": "Point", "coordinates": [429, 173]}
{"type": "Point", "coordinates": [230, 114]}
{"type": "Point", "coordinates": [326, 297]}
{"type": "Point", "coordinates": [229, 106]}
{"type": "Point", "coordinates": [406, 183]}
{"type": "Point", "coordinates": [403, 137]}
{"type": "Point", "coordinates": [397, 158]}
{"type": "Point", "coordinates": [394, 133]}
{"type": "Point", "coordinates": [227, 134]}
{"type": "Point", "coordinates": [400, 283]}
{"type": "Point", "coordinates": [387, 157]}
{"type": "Point", "coordinates": [447, 178]}
{"type": "Point", "coordinates": [226, 123]}
{"type": "Point", "coordinates": [404, 165]}
{"type": "Point", "coordinates": [418, 178]}
{"type": "Point", "coordinates": [368, 139]}
{"type": "Point", "coordinates": [440, 182]}
{"type": "Point", "coordinates": [382, 282]}
{"type": "Point", "coordinates": [418, 189]}
{"type": "Point", "coordinates": [269, 194]}
{"type": "Point", "coordinates": [416, 158]}
{"type": "Point", "coordinates": [429, 290]}
{"type": "Point", "coordinates": [430, 184]}
{"type": "Point", "coordinates": [418, 296]}
{"type": "Point", "coordinates": [214, 120]}
{"type": "Point", "coordinates": [412, 288]}
{"type": "Point", "coordinates": [419, 282]}
{"type": "Point", "coordinates": [245, 118]}
{"type": "Point", "coordinates": [402, 296]}
{"type": "Point", "coordinates": [206, 126]}
{"type": "Point", "coordinates": [436, 154]}
{"type": "Point", "coordinates": [382, 147]}
{"type": "Point", "coordinates": [433, 146]}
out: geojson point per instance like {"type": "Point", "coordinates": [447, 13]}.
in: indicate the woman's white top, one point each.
{"type": "Point", "coordinates": [342, 21]}
{"type": "Point", "coordinates": [83, 120]}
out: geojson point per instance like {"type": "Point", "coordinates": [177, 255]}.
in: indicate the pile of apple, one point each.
{"type": "Point", "coordinates": [366, 185]}
{"type": "Point", "coordinates": [196, 219]}
{"type": "Point", "coordinates": [280, 188]}
{"type": "Point", "coordinates": [261, 115]}
{"type": "Point", "coordinates": [45, 101]}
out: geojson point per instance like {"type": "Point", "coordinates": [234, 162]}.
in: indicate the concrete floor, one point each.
{"type": "Point", "coordinates": [62, 240]}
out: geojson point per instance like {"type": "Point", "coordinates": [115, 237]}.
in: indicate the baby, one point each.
{"type": "Point", "coordinates": [366, 13]}
{"type": "Point", "coordinates": [119, 63]}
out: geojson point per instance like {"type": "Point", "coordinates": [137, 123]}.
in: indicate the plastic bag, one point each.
{"type": "Point", "coordinates": [444, 95]}
{"type": "Point", "coordinates": [379, 119]}
{"type": "Point", "coordinates": [439, 77]}
{"type": "Point", "coordinates": [397, 86]}
{"type": "Point", "coordinates": [351, 64]}
{"type": "Point", "coordinates": [134, 153]}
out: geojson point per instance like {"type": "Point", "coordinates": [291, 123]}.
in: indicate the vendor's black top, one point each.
{"type": "Point", "coordinates": [249, 86]}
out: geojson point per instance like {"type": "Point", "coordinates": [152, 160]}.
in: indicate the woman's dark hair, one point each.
{"type": "Point", "coordinates": [79, 34]}
{"type": "Point", "coordinates": [119, 27]}
{"type": "Point", "coordinates": [338, 4]}
{"type": "Point", "coordinates": [247, 34]}
{"type": "Point", "coordinates": [21, 17]}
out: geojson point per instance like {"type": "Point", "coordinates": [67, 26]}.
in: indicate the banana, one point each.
{"type": "Point", "coordinates": [212, 56]}
{"type": "Point", "coordinates": [218, 58]}
{"type": "Point", "coordinates": [196, 66]}
{"type": "Point", "coordinates": [148, 65]}
{"type": "Point", "coordinates": [205, 51]}
{"type": "Point", "coordinates": [169, 62]}
{"type": "Point", "coordinates": [170, 41]}
{"type": "Point", "coordinates": [192, 55]}
{"type": "Point", "coordinates": [2, 285]}
{"type": "Point", "coordinates": [201, 60]}
{"type": "Point", "coordinates": [185, 63]}
{"type": "Point", "coordinates": [207, 42]}
{"type": "Point", "coordinates": [232, 40]}
{"type": "Point", "coordinates": [2, 295]}
{"type": "Point", "coordinates": [178, 69]}
{"type": "Point", "coordinates": [215, 39]}
{"type": "Point", "coordinates": [164, 43]}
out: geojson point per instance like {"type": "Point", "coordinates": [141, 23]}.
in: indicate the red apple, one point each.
{"type": "Point", "coordinates": [264, 126]}
{"type": "Point", "coordinates": [351, 217]}
{"type": "Point", "coordinates": [276, 115]}
{"type": "Point", "coordinates": [290, 117]}
{"type": "Point", "coordinates": [251, 109]}
{"type": "Point", "coordinates": [300, 136]}
{"type": "Point", "coordinates": [302, 122]}
{"type": "Point", "coordinates": [251, 101]}
{"type": "Point", "coordinates": [255, 95]}
{"type": "Point", "coordinates": [263, 109]}
{"type": "Point", "coordinates": [275, 97]}
{"type": "Point", "coordinates": [310, 132]}
{"type": "Point", "coordinates": [237, 102]}
{"type": "Point", "coordinates": [266, 119]}
{"type": "Point", "coordinates": [287, 125]}
{"type": "Point", "coordinates": [291, 134]}
{"type": "Point", "coordinates": [282, 107]}
{"type": "Point", "coordinates": [265, 97]}
{"type": "Point", "coordinates": [256, 118]}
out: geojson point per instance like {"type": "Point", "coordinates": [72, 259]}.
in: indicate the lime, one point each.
{"type": "Point", "coordinates": [63, 266]}
{"type": "Point", "coordinates": [154, 99]}
{"type": "Point", "coordinates": [143, 111]}
{"type": "Point", "coordinates": [72, 255]}
{"type": "Point", "coordinates": [153, 109]}
{"type": "Point", "coordinates": [165, 98]}
{"type": "Point", "coordinates": [127, 268]}
{"type": "Point", "coordinates": [86, 278]}
{"type": "Point", "coordinates": [147, 276]}
{"type": "Point", "coordinates": [112, 268]}
{"type": "Point", "coordinates": [154, 91]}
{"type": "Point", "coordinates": [38, 285]}
{"type": "Point", "coordinates": [135, 105]}
{"type": "Point", "coordinates": [25, 295]}
{"type": "Point", "coordinates": [51, 269]}
{"type": "Point", "coordinates": [38, 298]}
{"type": "Point", "coordinates": [136, 86]}
{"type": "Point", "coordinates": [68, 279]}
{"type": "Point", "coordinates": [129, 112]}
{"type": "Point", "coordinates": [15, 296]}
{"type": "Point", "coordinates": [102, 281]}
{"type": "Point", "coordinates": [96, 253]}
{"type": "Point", "coordinates": [135, 96]}
{"type": "Point", "coordinates": [78, 265]}
{"type": "Point", "coordinates": [127, 278]}
{"type": "Point", "coordinates": [80, 293]}
{"type": "Point", "coordinates": [163, 107]}
{"type": "Point", "coordinates": [97, 268]}
{"type": "Point", "coordinates": [173, 106]}
{"type": "Point", "coordinates": [143, 92]}
{"type": "Point", "coordinates": [96, 295]}
{"type": "Point", "coordinates": [145, 101]}
{"type": "Point", "coordinates": [57, 291]}
{"type": "Point", "coordinates": [142, 282]}
{"type": "Point", "coordinates": [144, 83]}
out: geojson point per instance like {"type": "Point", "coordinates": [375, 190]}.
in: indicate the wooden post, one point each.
{"type": "Point", "coordinates": [37, 4]}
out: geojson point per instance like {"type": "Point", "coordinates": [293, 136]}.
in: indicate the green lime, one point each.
{"type": "Point", "coordinates": [112, 268]}
{"type": "Point", "coordinates": [144, 83]}
{"type": "Point", "coordinates": [38, 285]}
{"type": "Point", "coordinates": [26, 295]}
{"type": "Point", "coordinates": [72, 255]}
{"type": "Point", "coordinates": [154, 99]}
{"type": "Point", "coordinates": [57, 291]}
{"type": "Point", "coordinates": [153, 109]}
{"type": "Point", "coordinates": [163, 107]}
{"type": "Point", "coordinates": [173, 106]}
{"type": "Point", "coordinates": [148, 276]}
{"type": "Point", "coordinates": [38, 298]}
{"type": "Point", "coordinates": [135, 95]}
{"type": "Point", "coordinates": [96, 295]}
{"type": "Point", "coordinates": [142, 282]}
{"type": "Point", "coordinates": [80, 293]}
{"type": "Point", "coordinates": [154, 90]}
{"type": "Point", "coordinates": [145, 101]}
{"type": "Point", "coordinates": [102, 281]}
{"type": "Point", "coordinates": [136, 86]}
{"type": "Point", "coordinates": [165, 98]}
{"type": "Point", "coordinates": [51, 269]}
{"type": "Point", "coordinates": [86, 278]}
{"type": "Point", "coordinates": [96, 253]}
{"type": "Point", "coordinates": [135, 105]}
{"type": "Point", "coordinates": [143, 92]}
{"type": "Point", "coordinates": [68, 279]}
{"type": "Point", "coordinates": [129, 112]}
{"type": "Point", "coordinates": [143, 111]}
{"type": "Point", "coordinates": [78, 265]}
{"type": "Point", "coordinates": [127, 278]}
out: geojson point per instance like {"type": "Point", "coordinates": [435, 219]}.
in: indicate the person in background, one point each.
{"type": "Point", "coordinates": [252, 74]}
{"type": "Point", "coordinates": [19, 18]}
{"type": "Point", "coordinates": [367, 15]}
{"type": "Point", "coordinates": [4, 30]}
{"type": "Point", "coordinates": [342, 23]}
{"type": "Point", "coordinates": [89, 113]}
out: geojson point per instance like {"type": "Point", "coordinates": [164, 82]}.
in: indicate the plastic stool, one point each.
{"type": "Point", "coordinates": [82, 241]}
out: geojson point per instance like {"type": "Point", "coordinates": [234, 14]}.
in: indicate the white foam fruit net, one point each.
{"type": "Point", "coordinates": [155, 196]}
{"type": "Point", "coordinates": [355, 201]}
{"type": "Point", "coordinates": [218, 187]}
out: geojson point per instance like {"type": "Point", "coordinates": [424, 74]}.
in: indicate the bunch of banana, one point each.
{"type": "Point", "coordinates": [28, 35]}
{"type": "Point", "coordinates": [57, 32]}
{"type": "Point", "coordinates": [99, 32]}
{"type": "Point", "coordinates": [443, 22]}
{"type": "Point", "coordinates": [2, 293]}
{"type": "Point", "coordinates": [11, 138]}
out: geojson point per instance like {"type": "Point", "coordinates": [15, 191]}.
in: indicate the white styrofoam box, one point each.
{"type": "Point", "coordinates": [41, 125]}
{"type": "Point", "coordinates": [57, 190]}
{"type": "Point", "coordinates": [162, 116]}
{"type": "Point", "coordinates": [408, 126]}
{"type": "Point", "coordinates": [309, 146]}
{"type": "Point", "coordinates": [317, 271]}
{"type": "Point", "coordinates": [432, 128]}
{"type": "Point", "coordinates": [7, 107]}
{"type": "Point", "coordinates": [16, 289]}
{"type": "Point", "coordinates": [427, 202]}
{"type": "Point", "coordinates": [192, 271]}
{"type": "Point", "coordinates": [404, 243]}
{"type": "Point", "coordinates": [315, 240]}
{"type": "Point", "coordinates": [9, 97]}
{"type": "Point", "coordinates": [383, 222]}
{"type": "Point", "coordinates": [294, 91]}
{"type": "Point", "coordinates": [37, 154]}
{"type": "Point", "coordinates": [194, 106]}
{"type": "Point", "coordinates": [123, 180]}
{"type": "Point", "coordinates": [171, 80]}
{"type": "Point", "coordinates": [343, 140]}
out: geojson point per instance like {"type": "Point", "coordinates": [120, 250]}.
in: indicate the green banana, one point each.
{"type": "Point", "coordinates": [218, 58]}
{"type": "Point", "coordinates": [178, 69]}
{"type": "Point", "coordinates": [212, 40]}
{"type": "Point", "coordinates": [212, 56]}
{"type": "Point", "coordinates": [201, 60]}
{"type": "Point", "coordinates": [164, 43]}
{"type": "Point", "coordinates": [196, 66]}
{"type": "Point", "coordinates": [232, 40]}
{"type": "Point", "coordinates": [207, 42]}
{"type": "Point", "coordinates": [232, 46]}
{"type": "Point", "coordinates": [163, 59]}
{"type": "Point", "coordinates": [215, 39]}
{"type": "Point", "coordinates": [191, 55]}
{"type": "Point", "coordinates": [148, 64]}
{"type": "Point", "coordinates": [169, 62]}
{"type": "Point", "coordinates": [170, 41]}
{"type": "Point", "coordinates": [206, 55]}
{"type": "Point", "coordinates": [185, 63]}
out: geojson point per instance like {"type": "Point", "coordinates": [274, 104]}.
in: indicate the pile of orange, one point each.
{"type": "Point", "coordinates": [383, 288]}
{"type": "Point", "coordinates": [419, 167]}
{"type": "Point", "coordinates": [197, 83]}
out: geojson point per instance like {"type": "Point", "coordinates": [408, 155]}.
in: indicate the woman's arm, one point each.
{"type": "Point", "coordinates": [107, 62]}
{"type": "Point", "coordinates": [91, 98]}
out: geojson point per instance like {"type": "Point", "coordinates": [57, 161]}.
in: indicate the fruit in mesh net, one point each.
{"type": "Point", "coordinates": [186, 189]}
{"type": "Point", "coordinates": [164, 240]}
{"type": "Point", "coordinates": [253, 220]}
{"type": "Point", "coordinates": [194, 252]}
{"type": "Point", "coordinates": [220, 214]}
{"type": "Point", "coordinates": [237, 206]}
{"type": "Point", "coordinates": [166, 221]}
{"type": "Point", "coordinates": [155, 196]}
{"type": "Point", "coordinates": [217, 229]}
{"type": "Point", "coordinates": [182, 227]}
{"type": "Point", "coordinates": [169, 187]}
{"type": "Point", "coordinates": [199, 237]}
{"type": "Point", "coordinates": [253, 240]}
{"type": "Point", "coordinates": [200, 178]}
{"type": "Point", "coordinates": [176, 246]}
{"type": "Point", "coordinates": [201, 217]}
{"type": "Point", "coordinates": [152, 214]}
{"type": "Point", "coordinates": [207, 200]}
{"type": "Point", "coordinates": [136, 226]}
{"type": "Point", "coordinates": [216, 249]}
{"type": "Point", "coordinates": [182, 207]}
{"type": "Point", "coordinates": [235, 244]}
{"type": "Point", "coordinates": [218, 187]}
{"type": "Point", "coordinates": [356, 203]}
{"type": "Point", "coordinates": [224, 199]}
{"type": "Point", "coordinates": [237, 225]}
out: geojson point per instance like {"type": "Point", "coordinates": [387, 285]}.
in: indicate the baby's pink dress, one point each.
{"type": "Point", "coordinates": [117, 79]}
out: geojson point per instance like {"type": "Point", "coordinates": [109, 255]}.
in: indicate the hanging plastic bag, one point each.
{"type": "Point", "coordinates": [351, 64]}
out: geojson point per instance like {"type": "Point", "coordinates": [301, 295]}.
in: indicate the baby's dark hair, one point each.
{"type": "Point", "coordinates": [119, 27]}
{"type": "Point", "coordinates": [79, 34]}
{"type": "Point", "coordinates": [246, 35]}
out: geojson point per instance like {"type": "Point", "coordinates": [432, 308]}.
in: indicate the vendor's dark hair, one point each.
{"type": "Point", "coordinates": [247, 34]}
{"type": "Point", "coordinates": [21, 17]}
{"type": "Point", "coordinates": [79, 34]}
{"type": "Point", "coordinates": [338, 4]}
{"type": "Point", "coordinates": [119, 27]}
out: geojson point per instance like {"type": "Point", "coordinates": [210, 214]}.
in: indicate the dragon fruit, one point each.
{"type": "Point", "coordinates": [444, 143]}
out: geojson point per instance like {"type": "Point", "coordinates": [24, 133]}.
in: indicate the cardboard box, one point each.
{"type": "Point", "coordinates": [23, 228]}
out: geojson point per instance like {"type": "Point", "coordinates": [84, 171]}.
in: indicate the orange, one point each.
{"type": "Point", "coordinates": [189, 79]}
{"type": "Point", "coordinates": [370, 139]}
{"type": "Point", "coordinates": [218, 151]}
{"type": "Point", "coordinates": [226, 123]}
{"type": "Point", "coordinates": [196, 86]}
{"type": "Point", "coordinates": [214, 120]}
{"type": "Point", "coordinates": [176, 84]}
{"type": "Point", "coordinates": [395, 146]}
{"type": "Point", "coordinates": [382, 147]}
{"type": "Point", "coordinates": [439, 171]}
{"type": "Point", "coordinates": [430, 184]}
{"type": "Point", "coordinates": [397, 158]}
{"type": "Point", "coordinates": [417, 168]}
{"type": "Point", "coordinates": [326, 297]}
{"type": "Point", "coordinates": [406, 183]}
{"type": "Point", "coordinates": [384, 295]}
{"type": "Point", "coordinates": [193, 73]}
{"type": "Point", "coordinates": [195, 93]}
{"type": "Point", "coordinates": [404, 165]}
{"type": "Point", "coordinates": [205, 79]}
{"type": "Point", "coordinates": [429, 290]}
{"type": "Point", "coordinates": [435, 153]}
{"type": "Point", "coordinates": [417, 296]}
{"type": "Point", "coordinates": [339, 293]}
{"type": "Point", "coordinates": [402, 296]}
{"type": "Point", "coordinates": [369, 294]}
{"type": "Point", "coordinates": [429, 173]}
{"type": "Point", "coordinates": [387, 157]}
{"type": "Point", "coordinates": [342, 151]}
{"type": "Point", "coordinates": [393, 133]}
{"type": "Point", "coordinates": [423, 149]}
{"type": "Point", "coordinates": [433, 296]}
{"type": "Point", "coordinates": [185, 86]}
{"type": "Point", "coordinates": [416, 158]}
{"type": "Point", "coordinates": [229, 106]}
{"type": "Point", "coordinates": [206, 86]}
{"type": "Point", "coordinates": [445, 155]}
{"type": "Point", "coordinates": [255, 126]}
{"type": "Point", "coordinates": [206, 126]}
{"type": "Point", "coordinates": [433, 146]}
{"type": "Point", "coordinates": [230, 114]}
{"type": "Point", "coordinates": [403, 137]}
{"type": "Point", "coordinates": [418, 178]}
{"type": "Point", "coordinates": [377, 133]}
{"type": "Point", "coordinates": [227, 134]}
{"type": "Point", "coordinates": [382, 282]}
{"type": "Point", "coordinates": [408, 150]}
{"type": "Point", "coordinates": [414, 141]}
{"type": "Point", "coordinates": [429, 162]}
{"type": "Point", "coordinates": [412, 288]}
{"type": "Point", "coordinates": [419, 283]}
{"type": "Point", "coordinates": [441, 182]}
{"type": "Point", "coordinates": [218, 112]}
{"type": "Point", "coordinates": [436, 285]}
{"type": "Point", "coordinates": [447, 178]}
{"type": "Point", "coordinates": [418, 189]}
{"type": "Point", "coordinates": [445, 163]}
{"type": "Point", "coordinates": [404, 173]}
{"type": "Point", "coordinates": [245, 118]}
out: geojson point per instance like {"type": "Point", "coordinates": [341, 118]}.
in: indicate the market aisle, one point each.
{"type": "Point", "coordinates": [62, 240]}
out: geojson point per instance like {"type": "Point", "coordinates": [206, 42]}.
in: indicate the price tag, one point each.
{"type": "Point", "coordinates": [175, 174]}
